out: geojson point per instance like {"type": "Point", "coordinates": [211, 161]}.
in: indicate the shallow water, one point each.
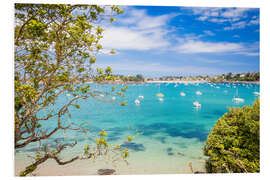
{"type": "Point", "coordinates": [172, 131]}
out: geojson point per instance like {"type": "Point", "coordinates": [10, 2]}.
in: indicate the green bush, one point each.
{"type": "Point", "coordinates": [234, 143]}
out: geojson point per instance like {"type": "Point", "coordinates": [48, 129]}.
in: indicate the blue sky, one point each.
{"type": "Point", "coordinates": [178, 41]}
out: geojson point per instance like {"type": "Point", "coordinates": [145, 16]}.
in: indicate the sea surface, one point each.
{"type": "Point", "coordinates": [170, 132]}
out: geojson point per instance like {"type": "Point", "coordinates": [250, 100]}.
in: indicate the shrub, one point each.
{"type": "Point", "coordinates": [234, 143]}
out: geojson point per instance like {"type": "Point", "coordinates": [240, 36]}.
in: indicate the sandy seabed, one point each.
{"type": "Point", "coordinates": [154, 160]}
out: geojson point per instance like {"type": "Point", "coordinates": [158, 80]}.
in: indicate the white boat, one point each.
{"type": "Point", "coordinates": [113, 98]}
{"type": "Point", "coordinates": [198, 92]}
{"type": "Point", "coordinates": [161, 99]}
{"type": "Point", "coordinates": [238, 100]}
{"type": "Point", "coordinates": [137, 102]}
{"type": "Point", "coordinates": [182, 94]}
{"type": "Point", "coordinates": [196, 104]}
{"type": "Point", "coordinates": [101, 95]}
{"type": "Point", "coordinates": [141, 97]}
{"type": "Point", "coordinates": [217, 87]}
{"type": "Point", "coordinates": [256, 93]}
{"type": "Point", "coordinates": [68, 95]}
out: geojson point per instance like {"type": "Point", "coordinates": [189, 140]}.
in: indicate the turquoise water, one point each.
{"type": "Point", "coordinates": [172, 128]}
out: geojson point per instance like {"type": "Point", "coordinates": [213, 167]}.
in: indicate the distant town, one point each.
{"type": "Point", "coordinates": [229, 77]}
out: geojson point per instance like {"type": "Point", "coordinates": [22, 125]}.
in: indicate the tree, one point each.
{"type": "Point", "coordinates": [247, 76]}
{"type": "Point", "coordinates": [256, 76]}
{"type": "Point", "coordinates": [237, 77]}
{"type": "Point", "coordinates": [55, 48]}
{"type": "Point", "coordinates": [234, 143]}
{"type": "Point", "coordinates": [228, 76]}
{"type": "Point", "coordinates": [139, 77]}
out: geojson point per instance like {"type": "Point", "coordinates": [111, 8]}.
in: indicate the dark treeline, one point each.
{"type": "Point", "coordinates": [238, 77]}
{"type": "Point", "coordinates": [255, 76]}
{"type": "Point", "coordinates": [129, 78]}
{"type": "Point", "coordinates": [229, 77]}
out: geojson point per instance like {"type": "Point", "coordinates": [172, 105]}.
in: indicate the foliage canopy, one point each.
{"type": "Point", "coordinates": [234, 143]}
{"type": "Point", "coordinates": [55, 47]}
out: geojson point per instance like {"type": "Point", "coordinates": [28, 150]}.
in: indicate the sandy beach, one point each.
{"type": "Point", "coordinates": [176, 82]}
{"type": "Point", "coordinates": [138, 163]}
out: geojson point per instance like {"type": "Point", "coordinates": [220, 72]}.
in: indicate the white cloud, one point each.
{"type": "Point", "coordinates": [208, 47]}
{"type": "Point", "coordinates": [196, 46]}
{"type": "Point", "coordinates": [205, 11]}
{"type": "Point", "coordinates": [123, 38]}
{"type": "Point", "coordinates": [234, 12]}
{"type": "Point", "coordinates": [140, 20]}
{"type": "Point", "coordinates": [150, 22]}
{"type": "Point", "coordinates": [254, 21]}
{"type": "Point", "coordinates": [238, 25]}
{"type": "Point", "coordinates": [242, 24]}
{"type": "Point", "coordinates": [132, 16]}
{"type": "Point", "coordinates": [138, 31]}
{"type": "Point", "coordinates": [189, 37]}
{"type": "Point", "coordinates": [210, 33]}
{"type": "Point", "coordinates": [217, 20]}
{"type": "Point", "coordinates": [222, 20]}
{"type": "Point", "coordinates": [225, 13]}
{"type": "Point", "coordinates": [251, 50]}
{"type": "Point", "coordinates": [202, 18]}
{"type": "Point", "coordinates": [237, 17]}
{"type": "Point", "coordinates": [249, 53]}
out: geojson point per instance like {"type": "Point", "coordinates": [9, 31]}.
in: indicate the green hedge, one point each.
{"type": "Point", "coordinates": [234, 143]}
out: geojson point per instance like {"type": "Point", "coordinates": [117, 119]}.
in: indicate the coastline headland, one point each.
{"type": "Point", "coordinates": [175, 81]}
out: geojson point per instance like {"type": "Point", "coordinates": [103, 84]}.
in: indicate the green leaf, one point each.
{"type": "Point", "coordinates": [124, 103]}
{"type": "Point", "coordinates": [98, 46]}
{"type": "Point", "coordinates": [92, 60]}
{"type": "Point", "coordinates": [100, 71]}
{"type": "Point", "coordinates": [125, 153]}
{"type": "Point", "coordinates": [130, 138]}
{"type": "Point", "coordinates": [112, 19]}
{"type": "Point", "coordinates": [108, 70]}
{"type": "Point", "coordinates": [103, 133]}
